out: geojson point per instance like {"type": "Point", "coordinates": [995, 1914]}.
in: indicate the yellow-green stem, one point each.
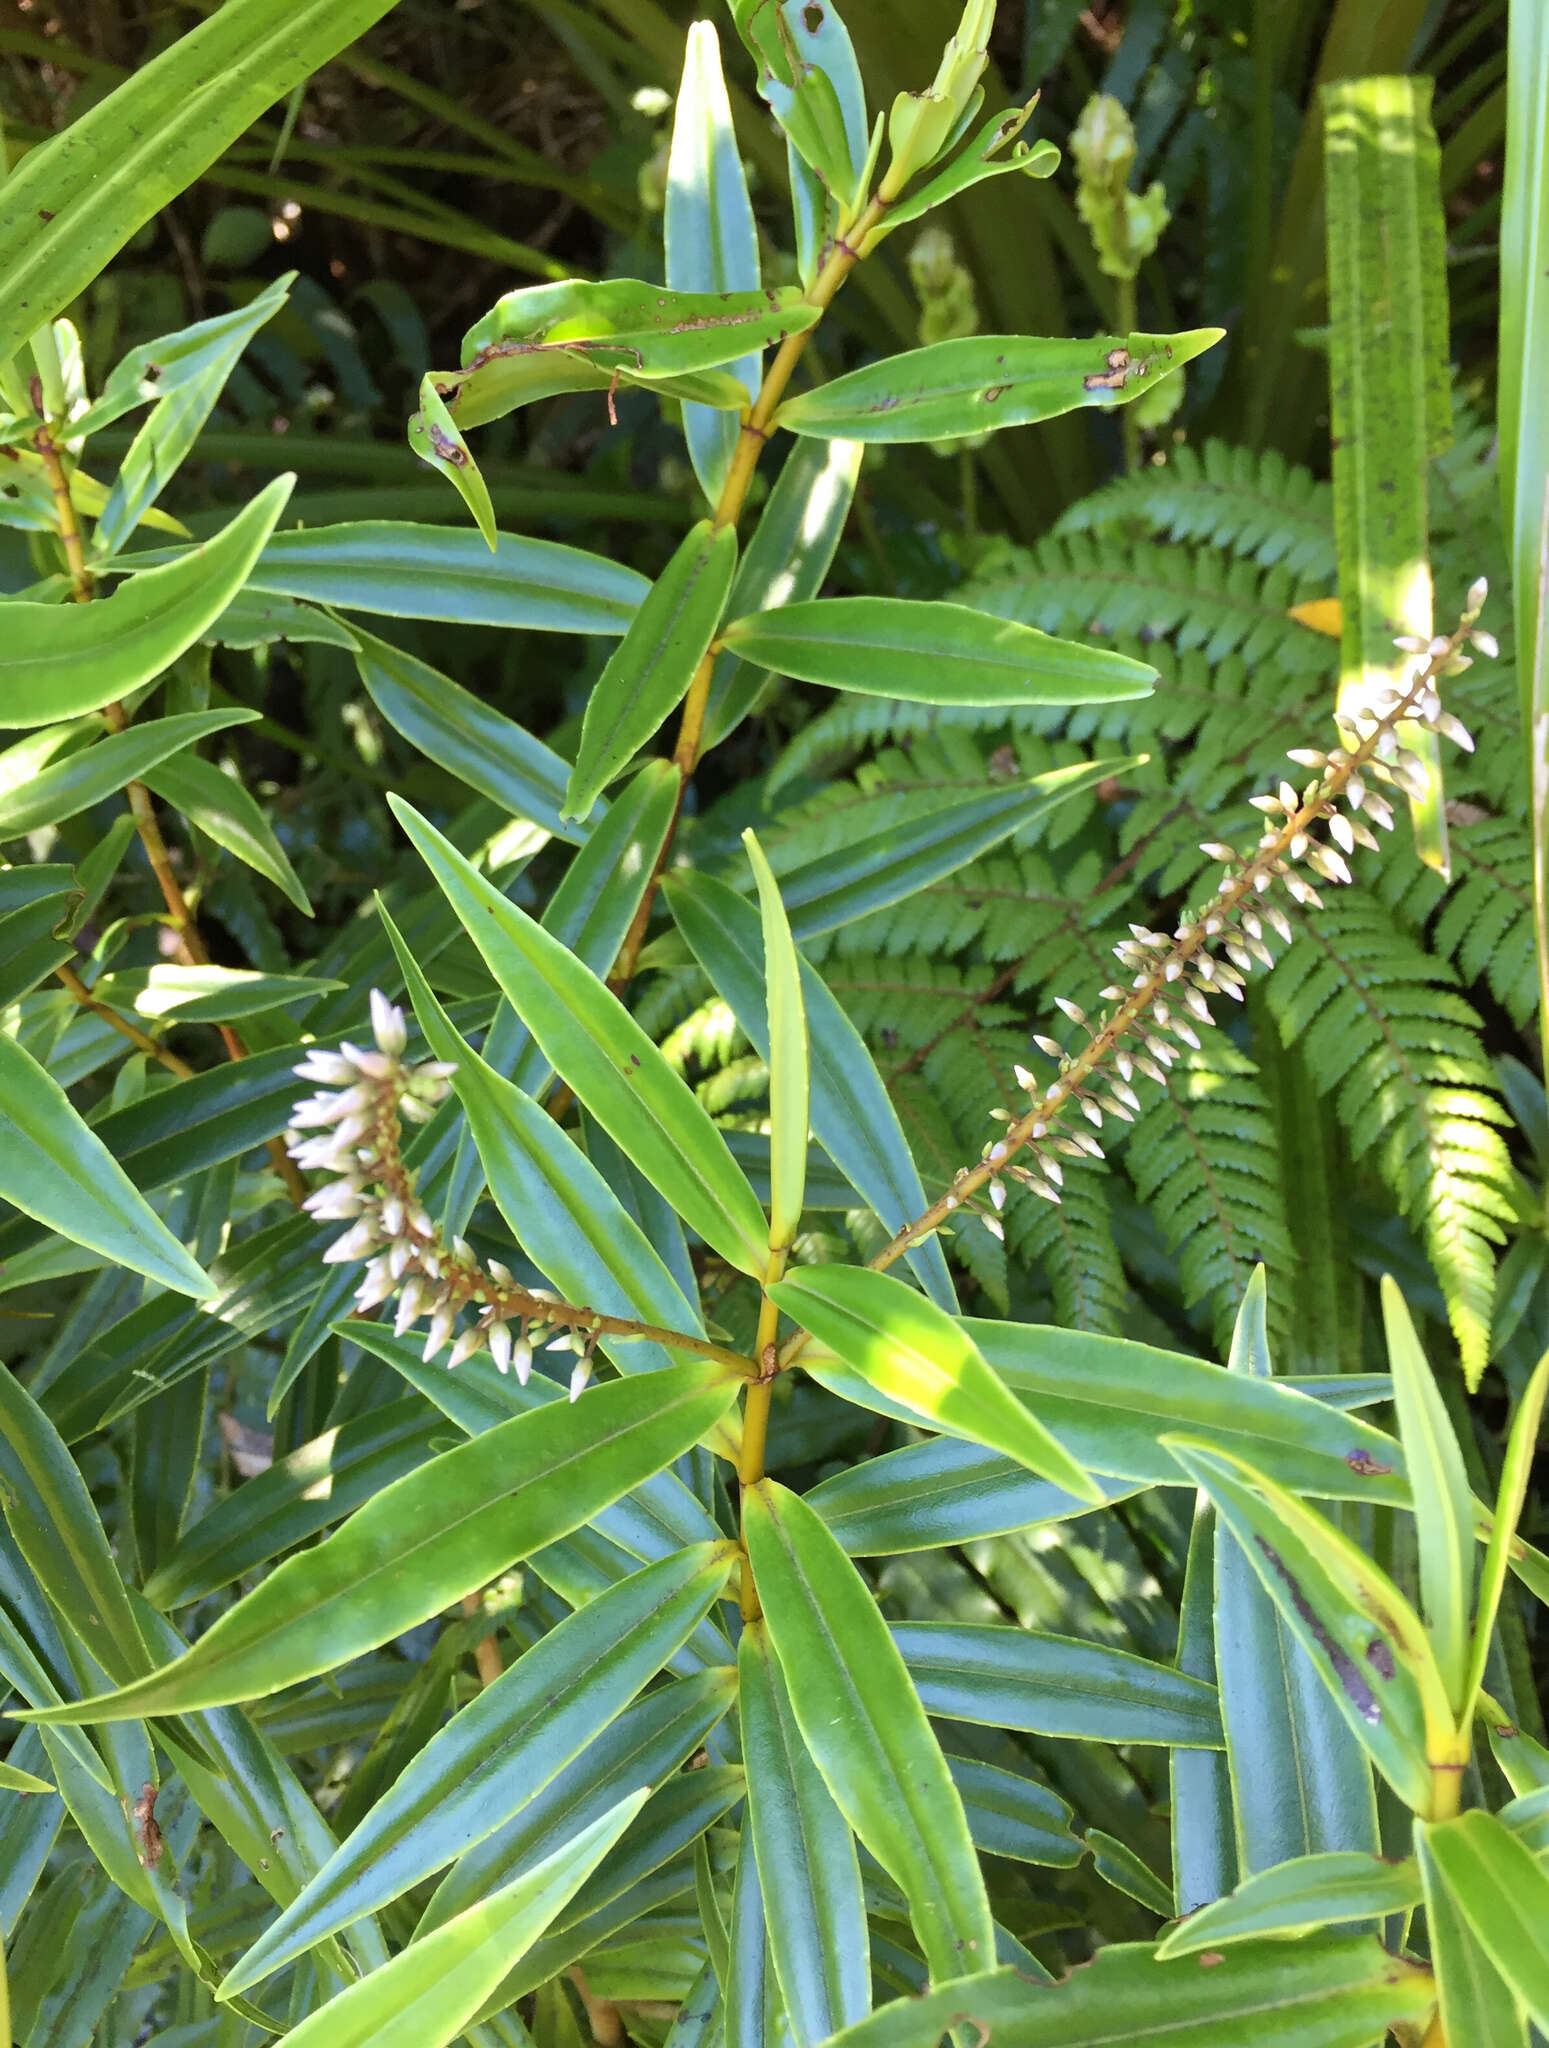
{"type": "Point", "coordinates": [755, 1413]}
{"type": "Point", "coordinates": [140, 1040]}
{"type": "Point", "coordinates": [81, 585]}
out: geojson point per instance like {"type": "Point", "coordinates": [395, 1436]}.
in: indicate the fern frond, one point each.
{"type": "Point", "coordinates": [1484, 921]}
{"type": "Point", "coordinates": [1251, 502]}
{"type": "Point", "coordinates": [1398, 1051]}
{"type": "Point", "coordinates": [1076, 583]}
{"type": "Point", "coordinates": [1072, 1245]}
{"type": "Point", "coordinates": [1202, 1156]}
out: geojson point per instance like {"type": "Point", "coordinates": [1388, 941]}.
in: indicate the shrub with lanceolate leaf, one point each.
{"type": "Point", "coordinates": [628, 1181]}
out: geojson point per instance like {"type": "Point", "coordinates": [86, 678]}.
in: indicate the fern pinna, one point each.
{"type": "Point", "coordinates": [1379, 1019]}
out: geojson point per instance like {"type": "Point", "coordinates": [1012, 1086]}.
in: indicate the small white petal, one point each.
{"type": "Point", "coordinates": [387, 1025]}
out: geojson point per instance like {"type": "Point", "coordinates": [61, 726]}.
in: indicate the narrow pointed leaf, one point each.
{"type": "Point", "coordinates": [466, 737]}
{"type": "Point", "coordinates": [1335, 1993]}
{"type": "Point", "coordinates": [864, 1726]}
{"type": "Point", "coordinates": [1300, 1779]}
{"type": "Point", "coordinates": [58, 661]}
{"type": "Point", "coordinates": [436, 440]}
{"type": "Point", "coordinates": [908, 1350]}
{"type": "Point", "coordinates": [595, 1044]}
{"type": "Point", "coordinates": [431, 1537]}
{"type": "Point", "coordinates": [1501, 1891]}
{"type": "Point", "coordinates": [219, 805]}
{"type": "Point", "coordinates": [560, 1209]}
{"type": "Point", "coordinates": [403, 571]}
{"type": "Point", "coordinates": [1443, 1501]}
{"type": "Point", "coordinates": [429, 1992]}
{"type": "Point", "coordinates": [1475, 2003]}
{"type": "Point", "coordinates": [1365, 1641]}
{"type": "Point", "coordinates": [645, 1744]}
{"type": "Point", "coordinates": [709, 233]}
{"type": "Point", "coordinates": [790, 1081]}
{"type": "Point", "coordinates": [81, 194]}
{"type": "Point", "coordinates": [853, 1117]}
{"type": "Point", "coordinates": [1298, 1898]}
{"type": "Point", "coordinates": [497, 1755]}
{"type": "Point", "coordinates": [1204, 1842]}
{"type": "Point", "coordinates": [56, 1169]}
{"type": "Point", "coordinates": [1054, 1685]}
{"type": "Point", "coordinates": [74, 784]}
{"type": "Point", "coordinates": [785, 560]}
{"type": "Point", "coordinates": [1014, 1816]}
{"type": "Point", "coordinates": [1521, 1446]}
{"type": "Point", "coordinates": [932, 653]}
{"type": "Point", "coordinates": [806, 1858]}
{"type": "Point", "coordinates": [984, 381]}
{"type": "Point", "coordinates": [649, 672]}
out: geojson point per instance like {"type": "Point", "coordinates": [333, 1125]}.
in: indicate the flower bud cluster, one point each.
{"type": "Point", "coordinates": [351, 1131]}
{"type": "Point", "coordinates": [1175, 978]}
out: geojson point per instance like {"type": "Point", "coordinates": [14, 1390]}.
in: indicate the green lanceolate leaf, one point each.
{"type": "Point", "coordinates": [435, 439]}
{"type": "Point", "coordinates": [784, 561]}
{"type": "Point", "coordinates": [790, 1080]}
{"type": "Point", "coordinates": [936, 653]}
{"type": "Point", "coordinates": [207, 995]}
{"type": "Point", "coordinates": [614, 1068]}
{"type": "Point", "coordinates": [57, 661]}
{"type": "Point", "coordinates": [14, 1780]}
{"type": "Point", "coordinates": [318, 1483]}
{"type": "Point", "coordinates": [1013, 1816]}
{"type": "Point", "coordinates": [403, 571]}
{"type": "Point", "coordinates": [1054, 1685]}
{"type": "Point", "coordinates": [219, 805]}
{"type": "Point", "coordinates": [1365, 1641]}
{"type": "Point", "coordinates": [881, 868]}
{"type": "Point", "coordinates": [864, 1726]}
{"type": "Point", "coordinates": [1204, 1843]}
{"type": "Point", "coordinates": [1300, 1780]}
{"type": "Point", "coordinates": [1336, 1993]}
{"type": "Point", "coordinates": [72, 785]}
{"type": "Point", "coordinates": [433, 1536]}
{"type": "Point", "coordinates": [808, 74]}
{"type": "Point", "coordinates": [1443, 1501]}
{"type": "Point", "coordinates": [78, 198]}
{"type": "Point", "coordinates": [653, 665]}
{"type": "Point", "coordinates": [57, 1530]}
{"type": "Point", "coordinates": [185, 374]}
{"type": "Point", "coordinates": [976, 161]}
{"type": "Point", "coordinates": [645, 1744]}
{"type": "Point", "coordinates": [429, 1992]}
{"type": "Point", "coordinates": [908, 1350]}
{"type": "Point", "coordinates": [1520, 1448]}
{"type": "Point", "coordinates": [1299, 1898]}
{"type": "Point", "coordinates": [806, 1857]}
{"type": "Point", "coordinates": [709, 233]}
{"type": "Point", "coordinates": [1474, 2001]}
{"type": "Point", "coordinates": [560, 1209]}
{"type": "Point", "coordinates": [54, 1168]}
{"type": "Point", "coordinates": [853, 1117]}
{"type": "Point", "coordinates": [981, 382]}
{"type": "Point", "coordinates": [468, 738]}
{"type": "Point", "coordinates": [578, 336]}
{"type": "Point", "coordinates": [1501, 1892]}
{"type": "Point", "coordinates": [498, 1754]}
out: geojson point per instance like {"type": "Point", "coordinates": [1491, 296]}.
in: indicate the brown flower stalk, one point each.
{"type": "Point", "coordinates": [353, 1132]}
{"type": "Point", "coordinates": [1175, 977]}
